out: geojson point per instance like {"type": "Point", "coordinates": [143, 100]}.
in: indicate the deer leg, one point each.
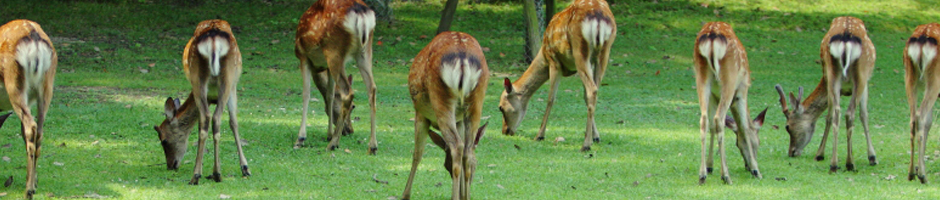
{"type": "Point", "coordinates": [586, 73]}
{"type": "Point", "coordinates": [925, 119]}
{"type": "Point", "coordinates": [306, 73]}
{"type": "Point", "coordinates": [199, 92]}
{"type": "Point", "coordinates": [421, 135]}
{"type": "Point", "coordinates": [553, 82]}
{"type": "Point", "coordinates": [704, 95]}
{"type": "Point", "coordinates": [31, 135]}
{"type": "Point", "coordinates": [233, 124]}
{"type": "Point", "coordinates": [849, 126]}
{"type": "Point", "coordinates": [835, 85]}
{"type": "Point", "coordinates": [863, 115]}
{"type": "Point", "coordinates": [821, 152]}
{"type": "Point", "coordinates": [364, 62]}
{"type": "Point", "coordinates": [727, 95]}
{"type": "Point", "coordinates": [745, 135]}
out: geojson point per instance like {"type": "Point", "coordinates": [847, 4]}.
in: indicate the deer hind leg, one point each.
{"type": "Point", "coordinates": [334, 132]}
{"type": "Point", "coordinates": [422, 128]}
{"type": "Point", "coordinates": [31, 136]}
{"type": "Point", "coordinates": [364, 62]}
{"type": "Point", "coordinates": [924, 125]}
{"type": "Point", "coordinates": [586, 73]}
{"type": "Point", "coordinates": [863, 115]}
{"type": "Point", "coordinates": [199, 92]}
{"type": "Point", "coordinates": [553, 82]}
{"type": "Point", "coordinates": [727, 95]}
{"type": "Point", "coordinates": [599, 70]}
{"type": "Point", "coordinates": [233, 124]}
{"type": "Point", "coordinates": [704, 96]}
{"type": "Point", "coordinates": [849, 126]}
{"type": "Point", "coordinates": [745, 137]}
{"type": "Point", "coordinates": [835, 84]}
{"type": "Point", "coordinates": [306, 72]}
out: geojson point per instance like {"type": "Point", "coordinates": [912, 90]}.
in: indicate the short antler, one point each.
{"type": "Point", "coordinates": [783, 100]}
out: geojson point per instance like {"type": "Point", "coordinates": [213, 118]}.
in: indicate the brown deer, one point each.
{"type": "Point", "coordinates": [211, 60]}
{"type": "Point", "coordinates": [330, 33]}
{"type": "Point", "coordinates": [448, 82]}
{"type": "Point", "coordinates": [720, 60]}
{"type": "Point", "coordinates": [920, 67]}
{"type": "Point", "coordinates": [848, 56]}
{"type": "Point", "coordinates": [27, 69]}
{"type": "Point", "coordinates": [577, 41]}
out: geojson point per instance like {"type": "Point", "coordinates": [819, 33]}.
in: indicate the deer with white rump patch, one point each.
{"type": "Point", "coordinates": [211, 61]}
{"type": "Point", "coordinates": [577, 41]}
{"type": "Point", "coordinates": [27, 70]}
{"type": "Point", "coordinates": [331, 33]}
{"type": "Point", "coordinates": [920, 74]}
{"type": "Point", "coordinates": [447, 83]}
{"type": "Point", "coordinates": [848, 56]}
{"type": "Point", "coordinates": [720, 60]}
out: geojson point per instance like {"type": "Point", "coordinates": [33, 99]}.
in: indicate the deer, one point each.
{"type": "Point", "coordinates": [27, 69]}
{"type": "Point", "coordinates": [447, 82]}
{"type": "Point", "coordinates": [848, 56]}
{"type": "Point", "coordinates": [720, 60]}
{"type": "Point", "coordinates": [577, 41]}
{"type": "Point", "coordinates": [330, 33]}
{"type": "Point", "coordinates": [920, 73]}
{"type": "Point", "coordinates": [211, 61]}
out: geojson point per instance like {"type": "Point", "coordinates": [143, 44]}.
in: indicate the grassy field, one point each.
{"type": "Point", "coordinates": [118, 62]}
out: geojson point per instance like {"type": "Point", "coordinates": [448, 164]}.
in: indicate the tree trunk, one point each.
{"type": "Point", "coordinates": [533, 35]}
{"type": "Point", "coordinates": [447, 16]}
{"type": "Point", "coordinates": [549, 12]}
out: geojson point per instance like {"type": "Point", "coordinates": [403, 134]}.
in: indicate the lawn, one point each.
{"type": "Point", "coordinates": [119, 61]}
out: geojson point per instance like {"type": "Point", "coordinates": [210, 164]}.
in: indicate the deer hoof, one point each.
{"type": "Point", "coordinates": [215, 177]}
{"type": "Point", "coordinates": [332, 147]}
{"type": "Point", "coordinates": [245, 171]}
{"type": "Point", "coordinates": [597, 139]}
{"type": "Point", "coordinates": [872, 160]}
{"type": "Point", "coordinates": [726, 179]}
{"type": "Point", "coordinates": [30, 193]}
{"type": "Point", "coordinates": [701, 180]}
{"type": "Point", "coordinates": [372, 150]}
{"type": "Point", "coordinates": [709, 170]}
{"type": "Point", "coordinates": [923, 179]}
{"type": "Point", "coordinates": [757, 174]}
{"type": "Point", "coordinates": [540, 138]}
{"type": "Point", "coordinates": [850, 167]}
{"type": "Point", "coordinates": [195, 180]}
{"type": "Point", "coordinates": [820, 158]}
{"type": "Point", "coordinates": [833, 168]}
{"type": "Point", "coordinates": [585, 149]}
{"type": "Point", "coordinates": [347, 131]}
{"type": "Point", "coordinates": [910, 177]}
{"type": "Point", "coordinates": [300, 142]}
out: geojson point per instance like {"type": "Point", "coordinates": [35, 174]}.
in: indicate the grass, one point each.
{"type": "Point", "coordinates": [99, 139]}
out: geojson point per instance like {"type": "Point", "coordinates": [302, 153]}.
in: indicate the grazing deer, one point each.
{"type": "Point", "coordinates": [27, 69]}
{"type": "Point", "coordinates": [720, 60]}
{"type": "Point", "coordinates": [447, 82]}
{"type": "Point", "coordinates": [920, 67]}
{"type": "Point", "coordinates": [211, 60]}
{"type": "Point", "coordinates": [577, 41]}
{"type": "Point", "coordinates": [330, 33]}
{"type": "Point", "coordinates": [848, 56]}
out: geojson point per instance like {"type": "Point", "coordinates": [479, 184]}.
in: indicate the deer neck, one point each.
{"type": "Point", "coordinates": [533, 78]}
{"type": "Point", "coordinates": [818, 101]}
{"type": "Point", "coordinates": [188, 114]}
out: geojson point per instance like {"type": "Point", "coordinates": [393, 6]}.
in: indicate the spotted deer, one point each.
{"type": "Point", "coordinates": [577, 41]}
{"type": "Point", "coordinates": [720, 60]}
{"type": "Point", "coordinates": [447, 82]}
{"type": "Point", "coordinates": [211, 61]}
{"type": "Point", "coordinates": [920, 67]}
{"type": "Point", "coordinates": [848, 56]}
{"type": "Point", "coordinates": [27, 70]}
{"type": "Point", "coordinates": [331, 33]}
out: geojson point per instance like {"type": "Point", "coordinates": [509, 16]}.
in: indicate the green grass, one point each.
{"type": "Point", "coordinates": [100, 124]}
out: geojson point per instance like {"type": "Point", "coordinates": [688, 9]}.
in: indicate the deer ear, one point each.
{"type": "Point", "coordinates": [176, 102]}
{"type": "Point", "coordinates": [759, 120]}
{"type": "Point", "coordinates": [436, 138]}
{"type": "Point", "coordinates": [729, 122]}
{"type": "Point", "coordinates": [169, 108]}
{"type": "Point", "coordinates": [479, 135]}
{"type": "Point", "coordinates": [4, 117]}
{"type": "Point", "coordinates": [508, 85]}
